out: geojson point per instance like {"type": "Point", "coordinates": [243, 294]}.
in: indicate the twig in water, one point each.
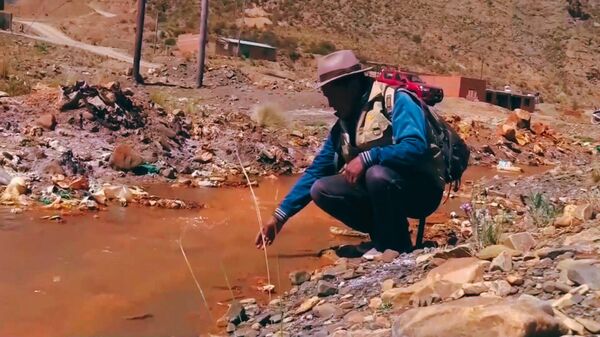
{"type": "Point", "coordinates": [192, 272]}
{"type": "Point", "coordinates": [227, 281]}
{"type": "Point", "coordinates": [258, 217]}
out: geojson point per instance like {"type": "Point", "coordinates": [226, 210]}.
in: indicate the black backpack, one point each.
{"type": "Point", "coordinates": [454, 150]}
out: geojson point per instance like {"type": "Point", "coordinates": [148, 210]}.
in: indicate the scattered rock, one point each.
{"type": "Point", "coordinates": [515, 280]}
{"type": "Point", "coordinates": [325, 289]}
{"type": "Point", "coordinates": [569, 323]}
{"type": "Point", "coordinates": [307, 305]}
{"type": "Point", "coordinates": [515, 318]}
{"type": "Point", "coordinates": [246, 332]}
{"type": "Point", "coordinates": [580, 212]}
{"type": "Point", "coordinates": [500, 288]}
{"type": "Point", "coordinates": [4, 94]}
{"type": "Point", "coordinates": [299, 277]}
{"type": "Point", "coordinates": [566, 221]}
{"type": "Point", "coordinates": [125, 158]}
{"type": "Point", "coordinates": [461, 270]}
{"type": "Point", "coordinates": [590, 325]}
{"type": "Point", "coordinates": [491, 252]}
{"type": "Point", "coordinates": [474, 289]}
{"type": "Point", "coordinates": [47, 121]}
{"type": "Point", "coordinates": [236, 313]}
{"type": "Point", "coordinates": [522, 242]}
{"type": "Point", "coordinates": [387, 285]}
{"type": "Point", "coordinates": [502, 262]}
{"type": "Point", "coordinates": [388, 256]}
{"type": "Point", "coordinates": [276, 318]}
{"type": "Point", "coordinates": [354, 317]}
{"type": "Point", "coordinates": [460, 251]}
{"type": "Point", "coordinates": [587, 274]}
{"type": "Point", "coordinates": [548, 286]}
{"type": "Point", "coordinates": [169, 173]}
{"type": "Point", "coordinates": [375, 303]}
{"type": "Point", "coordinates": [553, 253]}
{"type": "Point", "coordinates": [372, 254]}
{"type": "Point", "coordinates": [327, 310]}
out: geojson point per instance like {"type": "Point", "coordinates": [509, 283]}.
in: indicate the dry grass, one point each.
{"type": "Point", "coordinates": [258, 216]}
{"type": "Point", "coordinates": [187, 262]}
{"type": "Point", "coordinates": [269, 115]}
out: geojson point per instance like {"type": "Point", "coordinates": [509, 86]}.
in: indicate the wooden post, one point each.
{"type": "Point", "coordinates": [202, 47]}
{"type": "Point", "coordinates": [156, 37]}
{"type": "Point", "coordinates": [139, 36]}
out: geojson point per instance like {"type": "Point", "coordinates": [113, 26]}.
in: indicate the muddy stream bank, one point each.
{"type": "Point", "coordinates": [121, 272]}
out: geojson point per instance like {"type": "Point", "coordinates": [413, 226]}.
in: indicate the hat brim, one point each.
{"type": "Point", "coordinates": [320, 84]}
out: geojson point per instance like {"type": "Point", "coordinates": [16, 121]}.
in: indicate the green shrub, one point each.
{"type": "Point", "coordinates": [322, 48]}
{"type": "Point", "coordinates": [542, 211]}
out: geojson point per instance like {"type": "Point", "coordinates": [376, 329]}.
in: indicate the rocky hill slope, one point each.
{"type": "Point", "coordinates": [550, 47]}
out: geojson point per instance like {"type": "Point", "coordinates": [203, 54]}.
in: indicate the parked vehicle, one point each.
{"type": "Point", "coordinates": [430, 94]}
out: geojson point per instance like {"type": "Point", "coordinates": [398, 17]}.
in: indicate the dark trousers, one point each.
{"type": "Point", "coordinates": [379, 204]}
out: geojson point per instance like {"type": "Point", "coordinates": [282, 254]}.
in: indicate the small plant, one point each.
{"type": "Point", "coordinates": [294, 55]}
{"type": "Point", "coordinates": [416, 39]}
{"type": "Point", "coordinates": [41, 47]}
{"type": "Point", "coordinates": [541, 209]}
{"type": "Point", "coordinates": [269, 115]}
{"type": "Point", "coordinates": [385, 307]}
{"type": "Point", "coordinates": [160, 98]}
{"type": "Point", "coordinates": [488, 228]}
{"type": "Point", "coordinates": [170, 42]}
{"type": "Point", "coordinates": [322, 48]}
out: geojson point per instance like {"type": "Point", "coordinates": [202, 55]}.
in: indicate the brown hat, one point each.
{"type": "Point", "coordinates": [336, 65]}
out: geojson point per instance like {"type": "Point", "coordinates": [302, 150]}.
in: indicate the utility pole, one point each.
{"type": "Point", "coordinates": [156, 36]}
{"type": "Point", "coordinates": [139, 36]}
{"type": "Point", "coordinates": [203, 35]}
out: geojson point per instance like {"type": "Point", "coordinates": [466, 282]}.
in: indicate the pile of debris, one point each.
{"type": "Point", "coordinates": [109, 105]}
{"type": "Point", "coordinates": [518, 140]}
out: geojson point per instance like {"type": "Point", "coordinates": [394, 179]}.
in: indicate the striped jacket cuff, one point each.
{"type": "Point", "coordinates": [366, 158]}
{"type": "Point", "coordinates": [280, 215]}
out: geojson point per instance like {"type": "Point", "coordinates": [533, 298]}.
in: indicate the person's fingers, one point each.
{"type": "Point", "coordinates": [259, 240]}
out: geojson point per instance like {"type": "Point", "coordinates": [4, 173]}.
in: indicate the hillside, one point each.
{"type": "Point", "coordinates": [548, 46]}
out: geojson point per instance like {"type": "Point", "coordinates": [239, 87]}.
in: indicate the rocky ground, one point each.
{"type": "Point", "coordinates": [529, 269]}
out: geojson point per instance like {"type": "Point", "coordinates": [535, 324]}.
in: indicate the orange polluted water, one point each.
{"type": "Point", "coordinates": [92, 276]}
{"type": "Point", "coordinates": [123, 274]}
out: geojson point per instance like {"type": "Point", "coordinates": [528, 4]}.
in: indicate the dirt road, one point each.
{"type": "Point", "coordinates": [47, 33]}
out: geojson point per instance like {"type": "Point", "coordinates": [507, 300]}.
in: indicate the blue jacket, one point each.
{"type": "Point", "coordinates": [410, 146]}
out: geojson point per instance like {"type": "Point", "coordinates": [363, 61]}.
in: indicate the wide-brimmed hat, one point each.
{"type": "Point", "coordinates": [337, 65]}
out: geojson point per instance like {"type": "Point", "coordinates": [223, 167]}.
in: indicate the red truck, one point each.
{"type": "Point", "coordinates": [401, 79]}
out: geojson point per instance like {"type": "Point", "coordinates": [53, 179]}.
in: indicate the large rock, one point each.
{"type": "Point", "coordinates": [456, 252]}
{"type": "Point", "coordinates": [461, 270]}
{"type": "Point", "coordinates": [327, 311]}
{"type": "Point", "coordinates": [478, 316]}
{"type": "Point", "coordinates": [522, 242]}
{"type": "Point", "coordinates": [580, 212]}
{"type": "Point", "coordinates": [307, 305]}
{"type": "Point", "coordinates": [47, 121]}
{"type": "Point", "coordinates": [236, 313]}
{"type": "Point", "coordinates": [125, 158]}
{"type": "Point", "coordinates": [299, 277]}
{"type": "Point", "coordinates": [585, 274]}
{"type": "Point", "coordinates": [441, 283]}
{"type": "Point", "coordinates": [325, 289]}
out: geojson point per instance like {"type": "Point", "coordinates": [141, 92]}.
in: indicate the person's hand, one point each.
{"type": "Point", "coordinates": [354, 170]}
{"type": "Point", "coordinates": [268, 233]}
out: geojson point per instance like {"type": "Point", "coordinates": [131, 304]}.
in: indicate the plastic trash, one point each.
{"type": "Point", "coordinates": [506, 166]}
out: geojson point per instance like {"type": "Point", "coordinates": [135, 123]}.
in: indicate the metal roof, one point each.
{"type": "Point", "coordinates": [249, 43]}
